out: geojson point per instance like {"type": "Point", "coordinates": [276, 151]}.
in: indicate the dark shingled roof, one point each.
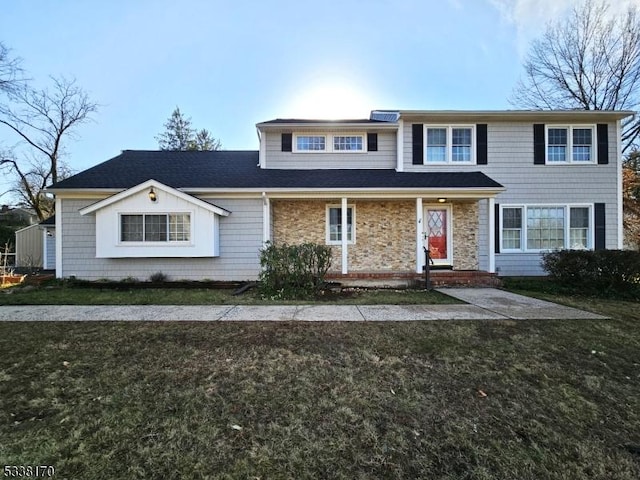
{"type": "Point", "coordinates": [49, 221]}
{"type": "Point", "coordinates": [240, 170]}
{"type": "Point", "coordinates": [312, 121]}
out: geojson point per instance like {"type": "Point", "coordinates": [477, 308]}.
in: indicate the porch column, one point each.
{"type": "Point", "coordinates": [266, 218]}
{"type": "Point", "coordinates": [419, 231]}
{"type": "Point", "coordinates": [491, 215]}
{"type": "Point", "coordinates": [344, 236]}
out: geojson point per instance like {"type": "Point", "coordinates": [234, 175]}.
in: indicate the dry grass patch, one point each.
{"type": "Point", "coordinates": [524, 400]}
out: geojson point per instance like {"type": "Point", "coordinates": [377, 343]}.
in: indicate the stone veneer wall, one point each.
{"type": "Point", "coordinates": [385, 232]}
{"type": "Point", "coordinates": [465, 236]}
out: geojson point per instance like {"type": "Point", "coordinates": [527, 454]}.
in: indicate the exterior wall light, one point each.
{"type": "Point", "coordinates": [152, 195]}
{"type": "Point", "coordinates": [442, 200]}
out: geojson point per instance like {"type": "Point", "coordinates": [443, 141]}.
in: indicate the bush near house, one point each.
{"type": "Point", "coordinates": [293, 271]}
{"type": "Point", "coordinates": [600, 272]}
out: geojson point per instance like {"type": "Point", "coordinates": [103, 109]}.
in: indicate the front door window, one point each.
{"type": "Point", "coordinates": [437, 223]}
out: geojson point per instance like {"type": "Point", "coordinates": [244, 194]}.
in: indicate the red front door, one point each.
{"type": "Point", "coordinates": [437, 234]}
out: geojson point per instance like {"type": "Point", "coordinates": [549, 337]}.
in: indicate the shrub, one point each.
{"type": "Point", "coordinates": [293, 271]}
{"type": "Point", "coordinates": [601, 272]}
{"type": "Point", "coordinates": [158, 277]}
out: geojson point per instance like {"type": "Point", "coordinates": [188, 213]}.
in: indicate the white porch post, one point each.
{"type": "Point", "coordinates": [59, 213]}
{"type": "Point", "coordinates": [419, 230]}
{"type": "Point", "coordinates": [266, 218]}
{"type": "Point", "coordinates": [492, 234]}
{"type": "Point", "coordinates": [344, 236]}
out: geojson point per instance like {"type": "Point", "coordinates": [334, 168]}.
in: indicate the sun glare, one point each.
{"type": "Point", "coordinates": [330, 101]}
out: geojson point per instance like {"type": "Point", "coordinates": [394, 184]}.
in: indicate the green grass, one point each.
{"type": "Point", "coordinates": [325, 400]}
{"type": "Point", "coordinates": [71, 295]}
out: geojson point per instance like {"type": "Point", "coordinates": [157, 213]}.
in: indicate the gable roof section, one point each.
{"type": "Point", "coordinates": [239, 170]}
{"type": "Point", "coordinates": [159, 186]}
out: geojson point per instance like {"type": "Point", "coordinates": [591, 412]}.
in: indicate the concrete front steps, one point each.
{"type": "Point", "coordinates": [439, 278]}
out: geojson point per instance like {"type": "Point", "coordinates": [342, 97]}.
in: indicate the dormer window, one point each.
{"type": "Point", "coordinates": [330, 143]}
{"type": "Point", "coordinates": [310, 143]}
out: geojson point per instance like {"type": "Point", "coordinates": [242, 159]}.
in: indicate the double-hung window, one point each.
{"type": "Point", "coordinates": [348, 143]}
{"type": "Point", "coordinates": [155, 227]}
{"type": "Point", "coordinates": [570, 144]}
{"type": "Point", "coordinates": [334, 225]}
{"type": "Point", "coordinates": [449, 144]}
{"type": "Point", "coordinates": [536, 228]}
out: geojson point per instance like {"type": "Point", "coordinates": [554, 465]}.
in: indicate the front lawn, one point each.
{"type": "Point", "coordinates": [77, 295]}
{"type": "Point", "coordinates": [455, 400]}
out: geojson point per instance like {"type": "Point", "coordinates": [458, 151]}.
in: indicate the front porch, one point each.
{"type": "Point", "coordinates": [386, 237]}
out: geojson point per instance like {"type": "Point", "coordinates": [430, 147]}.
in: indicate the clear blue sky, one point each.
{"type": "Point", "coordinates": [231, 64]}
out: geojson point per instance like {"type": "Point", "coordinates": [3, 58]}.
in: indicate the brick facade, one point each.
{"type": "Point", "coordinates": [385, 232]}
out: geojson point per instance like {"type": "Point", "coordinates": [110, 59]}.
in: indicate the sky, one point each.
{"type": "Point", "coordinates": [231, 64]}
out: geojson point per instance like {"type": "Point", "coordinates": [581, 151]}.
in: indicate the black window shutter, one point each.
{"type": "Point", "coordinates": [287, 142]}
{"type": "Point", "coordinates": [599, 226]}
{"type": "Point", "coordinates": [603, 144]}
{"type": "Point", "coordinates": [418, 143]}
{"type": "Point", "coordinates": [372, 142]}
{"type": "Point", "coordinates": [481, 144]}
{"type": "Point", "coordinates": [496, 227]}
{"type": "Point", "coordinates": [538, 144]}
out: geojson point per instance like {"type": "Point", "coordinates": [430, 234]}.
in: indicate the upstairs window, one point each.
{"type": "Point", "coordinates": [155, 228]}
{"type": "Point", "coordinates": [449, 144]}
{"type": "Point", "coordinates": [310, 143]}
{"type": "Point", "coordinates": [348, 143]}
{"type": "Point", "coordinates": [570, 144]}
{"type": "Point", "coordinates": [338, 143]}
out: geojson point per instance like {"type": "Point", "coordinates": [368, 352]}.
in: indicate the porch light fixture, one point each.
{"type": "Point", "coordinates": [442, 200]}
{"type": "Point", "coordinates": [152, 195]}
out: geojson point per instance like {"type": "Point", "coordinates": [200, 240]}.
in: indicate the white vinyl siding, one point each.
{"type": "Point", "coordinates": [383, 158]}
{"type": "Point", "coordinates": [240, 243]}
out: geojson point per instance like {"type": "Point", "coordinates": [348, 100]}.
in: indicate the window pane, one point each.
{"type": "Point", "coordinates": [512, 218]}
{"type": "Point", "coordinates": [460, 144]}
{"type": "Point", "coordinates": [335, 224]}
{"type": "Point", "coordinates": [350, 143]}
{"type": "Point", "coordinates": [437, 136]}
{"type": "Point", "coordinates": [436, 154]}
{"type": "Point", "coordinates": [131, 228]}
{"type": "Point", "coordinates": [545, 228]}
{"type": "Point", "coordinates": [579, 228]}
{"type": "Point", "coordinates": [310, 143]}
{"type": "Point", "coordinates": [179, 228]}
{"type": "Point", "coordinates": [582, 136]}
{"type": "Point", "coordinates": [155, 228]}
{"type": "Point", "coordinates": [557, 136]}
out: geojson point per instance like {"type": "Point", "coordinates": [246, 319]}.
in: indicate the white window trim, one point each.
{"type": "Point", "coordinates": [567, 225]}
{"type": "Point", "coordinates": [167, 243]}
{"type": "Point", "coordinates": [570, 160]}
{"type": "Point", "coordinates": [328, 225]}
{"type": "Point", "coordinates": [449, 145]}
{"type": "Point", "coordinates": [328, 142]}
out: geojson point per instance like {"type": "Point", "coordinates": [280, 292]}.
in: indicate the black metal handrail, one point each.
{"type": "Point", "coordinates": [427, 270]}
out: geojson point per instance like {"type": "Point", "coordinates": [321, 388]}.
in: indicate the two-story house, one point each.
{"type": "Point", "coordinates": [484, 191]}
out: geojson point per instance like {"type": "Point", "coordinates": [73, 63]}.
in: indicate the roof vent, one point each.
{"type": "Point", "coordinates": [385, 115]}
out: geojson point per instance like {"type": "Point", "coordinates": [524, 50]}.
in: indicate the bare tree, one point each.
{"type": "Point", "coordinates": [590, 61]}
{"type": "Point", "coordinates": [10, 71]}
{"type": "Point", "coordinates": [41, 120]}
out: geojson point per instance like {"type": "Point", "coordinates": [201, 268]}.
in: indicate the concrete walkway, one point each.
{"type": "Point", "coordinates": [483, 304]}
